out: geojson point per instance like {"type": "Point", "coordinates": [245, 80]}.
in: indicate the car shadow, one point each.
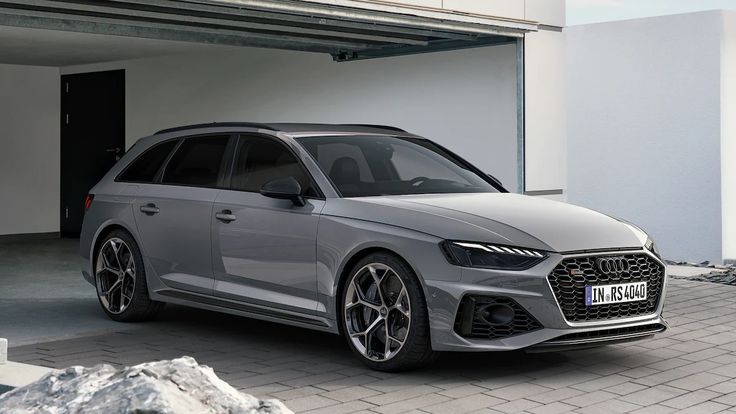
{"type": "Point", "coordinates": [299, 344]}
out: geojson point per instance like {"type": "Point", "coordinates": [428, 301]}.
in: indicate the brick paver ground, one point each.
{"type": "Point", "coordinates": [691, 368]}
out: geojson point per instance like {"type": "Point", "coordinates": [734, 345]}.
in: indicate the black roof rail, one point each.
{"type": "Point", "coordinates": [216, 124]}
{"type": "Point", "coordinates": [392, 128]}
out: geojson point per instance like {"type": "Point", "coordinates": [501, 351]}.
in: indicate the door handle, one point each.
{"type": "Point", "coordinates": [150, 209]}
{"type": "Point", "coordinates": [225, 216]}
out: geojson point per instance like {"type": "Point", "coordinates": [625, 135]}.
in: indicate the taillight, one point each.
{"type": "Point", "coordinates": [88, 201]}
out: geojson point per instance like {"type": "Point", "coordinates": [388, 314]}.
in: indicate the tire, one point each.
{"type": "Point", "coordinates": [118, 262]}
{"type": "Point", "coordinates": [361, 305]}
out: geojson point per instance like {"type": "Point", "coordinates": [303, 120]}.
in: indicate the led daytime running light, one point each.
{"type": "Point", "coordinates": [501, 249]}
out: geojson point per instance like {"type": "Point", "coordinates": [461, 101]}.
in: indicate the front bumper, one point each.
{"type": "Point", "coordinates": [587, 339]}
{"type": "Point", "coordinates": [532, 291]}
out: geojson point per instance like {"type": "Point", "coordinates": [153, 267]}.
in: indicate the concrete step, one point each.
{"type": "Point", "coordinates": [15, 374]}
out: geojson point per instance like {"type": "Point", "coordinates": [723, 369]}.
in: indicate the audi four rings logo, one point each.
{"type": "Point", "coordinates": [613, 265]}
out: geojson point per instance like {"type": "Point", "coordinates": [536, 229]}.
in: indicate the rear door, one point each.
{"type": "Point", "coordinates": [266, 255]}
{"type": "Point", "coordinates": [174, 215]}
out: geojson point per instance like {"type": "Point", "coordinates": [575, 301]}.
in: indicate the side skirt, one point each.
{"type": "Point", "coordinates": [242, 309]}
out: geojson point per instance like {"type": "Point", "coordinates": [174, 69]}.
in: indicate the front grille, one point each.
{"type": "Point", "coordinates": [470, 323]}
{"type": "Point", "coordinates": [611, 333]}
{"type": "Point", "coordinates": [569, 278]}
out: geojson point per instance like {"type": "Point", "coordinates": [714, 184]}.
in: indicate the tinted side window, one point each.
{"type": "Point", "coordinates": [145, 167]}
{"type": "Point", "coordinates": [260, 160]}
{"type": "Point", "coordinates": [197, 162]}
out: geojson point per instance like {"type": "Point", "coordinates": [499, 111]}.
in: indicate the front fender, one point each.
{"type": "Point", "coordinates": [340, 239]}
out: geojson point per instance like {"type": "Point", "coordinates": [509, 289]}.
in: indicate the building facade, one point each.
{"type": "Point", "coordinates": [652, 128]}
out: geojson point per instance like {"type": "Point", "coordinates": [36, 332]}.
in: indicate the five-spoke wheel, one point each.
{"type": "Point", "coordinates": [120, 279]}
{"type": "Point", "coordinates": [115, 275]}
{"type": "Point", "coordinates": [377, 311]}
{"type": "Point", "coordinates": [384, 314]}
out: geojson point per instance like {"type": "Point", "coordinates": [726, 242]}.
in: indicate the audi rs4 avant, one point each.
{"type": "Point", "coordinates": [369, 232]}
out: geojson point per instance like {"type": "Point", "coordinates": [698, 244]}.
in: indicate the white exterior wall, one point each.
{"type": "Point", "coordinates": [728, 135]}
{"type": "Point", "coordinates": [506, 8]}
{"type": "Point", "coordinates": [644, 127]}
{"type": "Point", "coordinates": [545, 64]}
{"type": "Point", "coordinates": [548, 12]}
{"type": "Point", "coordinates": [546, 113]}
{"type": "Point", "coordinates": [29, 159]}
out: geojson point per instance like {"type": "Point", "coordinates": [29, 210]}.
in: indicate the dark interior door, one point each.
{"type": "Point", "coordinates": [92, 137]}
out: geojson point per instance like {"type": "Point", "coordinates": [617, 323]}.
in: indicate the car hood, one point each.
{"type": "Point", "coordinates": [502, 218]}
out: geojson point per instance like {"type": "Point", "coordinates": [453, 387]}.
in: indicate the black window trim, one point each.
{"type": "Point", "coordinates": [241, 138]}
{"type": "Point", "coordinates": [160, 172]}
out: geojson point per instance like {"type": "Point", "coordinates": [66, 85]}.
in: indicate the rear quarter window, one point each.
{"type": "Point", "coordinates": [144, 168]}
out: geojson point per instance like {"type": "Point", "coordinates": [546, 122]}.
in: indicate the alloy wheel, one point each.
{"type": "Point", "coordinates": [115, 275]}
{"type": "Point", "coordinates": [377, 312]}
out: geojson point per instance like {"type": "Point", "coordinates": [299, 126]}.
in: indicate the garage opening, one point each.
{"type": "Point", "coordinates": [456, 78]}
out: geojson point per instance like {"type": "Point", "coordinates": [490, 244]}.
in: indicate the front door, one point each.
{"type": "Point", "coordinates": [264, 248]}
{"type": "Point", "coordinates": [92, 138]}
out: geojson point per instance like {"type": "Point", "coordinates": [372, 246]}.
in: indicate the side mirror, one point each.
{"type": "Point", "coordinates": [495, 180]}
{"type": "Point", "coordinates": [285, 188]}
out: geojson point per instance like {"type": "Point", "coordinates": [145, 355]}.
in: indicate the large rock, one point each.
{"type": "Point", "coordinates": [177, 386]}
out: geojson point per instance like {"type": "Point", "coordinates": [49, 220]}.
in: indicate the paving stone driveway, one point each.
{"type": "Point", "coordinates": [691, 368]}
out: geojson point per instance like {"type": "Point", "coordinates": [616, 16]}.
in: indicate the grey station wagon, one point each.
{"type": "Point", "coordinates": [370, 232]}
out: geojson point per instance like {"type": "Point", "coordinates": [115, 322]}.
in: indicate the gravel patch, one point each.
{"type": "Point", "coordinates": [710, 273]}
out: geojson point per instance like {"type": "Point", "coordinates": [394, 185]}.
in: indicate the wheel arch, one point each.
{"type": "Point", "coordinates": [354, 258]}
{"type": "Point", "coordinates": [106, 229]}
{"type": "Point", "coordinates": [362, 251]}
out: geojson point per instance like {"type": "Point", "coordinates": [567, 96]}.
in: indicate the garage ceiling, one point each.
{"type": "Point", "coordinates": [23, 46]}
{"type": "Point", "coordinates": [343, 32]}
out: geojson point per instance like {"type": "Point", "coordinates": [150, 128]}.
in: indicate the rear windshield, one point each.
{"type": "Point", "coordinates": [361, 166]}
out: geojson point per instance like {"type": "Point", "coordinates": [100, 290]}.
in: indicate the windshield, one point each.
{"type": "Point", "coordinates": [361, 166]}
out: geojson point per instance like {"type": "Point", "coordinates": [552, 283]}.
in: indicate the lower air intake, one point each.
{"type": "Point", "coordinates": [493, 317]}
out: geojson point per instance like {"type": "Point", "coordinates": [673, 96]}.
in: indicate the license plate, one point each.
{"type": "Point", "coordinates": [606, 294]}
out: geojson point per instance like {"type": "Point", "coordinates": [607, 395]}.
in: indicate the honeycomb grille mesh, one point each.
{"type": "Point", "coordinates": [569, 278]}
{"type": "Point", "coordinates": [522, 322]}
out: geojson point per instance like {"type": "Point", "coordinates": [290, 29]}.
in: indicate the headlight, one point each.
{"type": "Point", "coordinates": [491, 256]}
{"type": "Point", "coordinates": [649, 245]}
